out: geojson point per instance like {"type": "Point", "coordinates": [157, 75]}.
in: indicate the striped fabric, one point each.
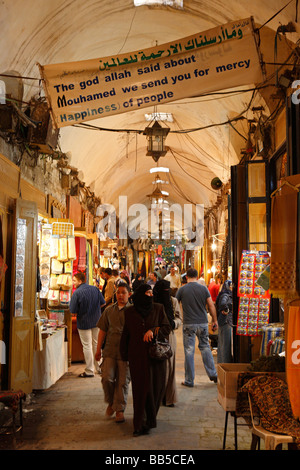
{"type": "Point", "coordinates": [270, 332]}
{"type": "Point", "coordinates": [86, 303]}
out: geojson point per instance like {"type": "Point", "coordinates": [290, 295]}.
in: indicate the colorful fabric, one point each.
{"type": "Point", "coordinates": [12, 398]}
{"type": "Point", "coordinates": [270, 332]}
{"type": "Point", "coordinates": [293, 358]}
{"type": "Point", "coordinates": [271, 397]}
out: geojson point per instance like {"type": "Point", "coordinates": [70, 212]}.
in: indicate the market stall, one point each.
{"type": "Point", "coordinates": [52, 326]}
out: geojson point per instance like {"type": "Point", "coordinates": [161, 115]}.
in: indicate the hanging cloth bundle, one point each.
{"type": "Point", "coordinates": [283, 265]}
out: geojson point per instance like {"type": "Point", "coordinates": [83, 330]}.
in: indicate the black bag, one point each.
{"type": "Point", "coordinates": [160, 350]}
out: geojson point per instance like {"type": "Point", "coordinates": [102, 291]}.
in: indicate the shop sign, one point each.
{"type": "Point", "coordinates": [220, 58]}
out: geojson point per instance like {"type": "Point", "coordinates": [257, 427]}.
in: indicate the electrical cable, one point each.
{"type": "Point", "coordinates": [272, 17]}
{"type": "Point", "coordinates": [191, 176]}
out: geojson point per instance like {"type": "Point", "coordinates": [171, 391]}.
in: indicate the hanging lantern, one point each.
{"type": "Point", "coordinates": [156, 136]}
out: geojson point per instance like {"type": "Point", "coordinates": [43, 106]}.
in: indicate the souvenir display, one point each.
{"type": "Point", "coordinates": [254, 304]}
{"type": "Point", "coordinates": [20, 266]}
{"type": "Point", "coordinates": [57, 248]}
{"type": "Point", "coordinates": [45, 257]}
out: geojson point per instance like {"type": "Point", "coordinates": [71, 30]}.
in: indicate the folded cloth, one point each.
{"type": "Point", "coordinates": [270, 332]}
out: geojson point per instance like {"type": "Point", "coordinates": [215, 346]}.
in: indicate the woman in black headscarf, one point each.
{"type": "Point", "coordinates": [138, 281]}
{"type": "Point", "coordinates": [147, 375]}
{"type": "Point", "coordinates": [162, 295]}
{"type": "Point", "coordinates": [224, 315]}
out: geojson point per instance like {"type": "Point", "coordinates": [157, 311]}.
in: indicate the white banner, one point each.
{"type": "Point", "coordinates": [220, 58]}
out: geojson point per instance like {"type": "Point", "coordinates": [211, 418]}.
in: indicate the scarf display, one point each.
{"type": "Point", "coordinates": [142, 302]}
{"type": "Point", "coordinates": [293, 358]}
{"type": "Point", "coordinates": [284, 243]}
{"type": "Point", "coordinates": [80, 253]}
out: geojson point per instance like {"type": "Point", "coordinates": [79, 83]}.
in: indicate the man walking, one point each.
{"type": "Point", "coordinates": [115, 372]}
{"type": "Point", "coordinates": [194, 298]}
{"type": "Point", "coordinates": [86, 302]}
{"type": "Point", "coordinates": [174, 279]}
{"type": "Point", "coordinates": [110, 287]}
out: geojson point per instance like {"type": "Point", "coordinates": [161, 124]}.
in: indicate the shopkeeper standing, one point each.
{"type": "Point", "coordinates": [86, 303]}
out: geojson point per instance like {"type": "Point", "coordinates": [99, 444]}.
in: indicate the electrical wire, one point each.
{"type": "Point", "coordinates": [274, 16]}
{"type": "Point", "coordinates": [191, 176]}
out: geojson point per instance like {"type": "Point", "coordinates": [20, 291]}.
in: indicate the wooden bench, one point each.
{"type": "Point", "coordinates": [13, 400]}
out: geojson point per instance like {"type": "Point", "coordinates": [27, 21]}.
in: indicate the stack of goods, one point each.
{"type": "Point", "coordinates": [271, 335]}
{"type": "Point", "coordinates": [254, 305]}
{"type": "Point", "coordinates": [62, 254]}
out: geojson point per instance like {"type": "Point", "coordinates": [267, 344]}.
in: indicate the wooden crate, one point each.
{"type": "Point", "coordinates": [227, 384]}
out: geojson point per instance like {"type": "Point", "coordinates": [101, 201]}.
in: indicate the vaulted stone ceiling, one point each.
{"type": "Point", "coordinates": [115, 163]}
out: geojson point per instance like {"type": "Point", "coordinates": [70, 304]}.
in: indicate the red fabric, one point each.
{"type": "Point", "coordinates": [214, 290]}
{"type": "Point", "coordinates": [11, 399]}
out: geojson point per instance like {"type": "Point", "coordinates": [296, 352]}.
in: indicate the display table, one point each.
{"type": "Point", "coordinates": [52, 362]}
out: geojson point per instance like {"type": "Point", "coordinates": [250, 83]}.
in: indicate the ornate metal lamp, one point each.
{"type": "Point", "coordinates": [156, 136]}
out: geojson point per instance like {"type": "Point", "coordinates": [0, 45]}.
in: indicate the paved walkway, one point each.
{"type": "Point", "coordinates": [70, 416]}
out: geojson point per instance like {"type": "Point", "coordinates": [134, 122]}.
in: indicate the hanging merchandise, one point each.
{"type": "Point", "coordinates": [61, 252]}
{"type": "Point", "coordinates": [45, 257]}
{"type": "Point", "coordinates": [254, 304]}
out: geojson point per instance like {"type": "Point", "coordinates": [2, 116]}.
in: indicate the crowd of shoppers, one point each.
{"type": "Point", "coordinates": [119, 318]}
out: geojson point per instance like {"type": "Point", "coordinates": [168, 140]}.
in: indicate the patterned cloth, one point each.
{"type": "Point", "coordinates": [271, 397]}
{"type": "Point", "coordinates": [11, 398]}
{"type": "Point", "coordinates": [284, 243]}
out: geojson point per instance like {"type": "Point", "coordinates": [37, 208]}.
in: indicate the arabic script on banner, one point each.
{"type": "Point", "coordinates": [220, 58]}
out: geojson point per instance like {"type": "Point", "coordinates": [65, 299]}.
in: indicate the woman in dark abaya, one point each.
{"type": "Point", "coordinates": [162, 295]}
{"type": "Point", "coordinates": [138, 281]}
{"type": "Point", "coordinates": [148, 377]}
{"type": "Point", "coordinates": [224, 315]}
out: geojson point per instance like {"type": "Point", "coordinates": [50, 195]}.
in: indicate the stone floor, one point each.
{"type": "Point", "coordinates": [70, 416]}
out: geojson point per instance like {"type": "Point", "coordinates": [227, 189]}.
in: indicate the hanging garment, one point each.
{"type": "Point", "coordinates": [293, 359]}
{"type": "Point", "coordinates": [81, 253]}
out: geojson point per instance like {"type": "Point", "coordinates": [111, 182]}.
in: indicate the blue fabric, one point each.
{"type": "Point", "coordinates": [86, 303]}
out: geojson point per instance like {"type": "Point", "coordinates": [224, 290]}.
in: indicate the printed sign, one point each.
{"type": "Point", "coordinates": [217, 59]}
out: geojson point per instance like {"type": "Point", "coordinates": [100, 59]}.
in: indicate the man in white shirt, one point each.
{"type": "Point", "coordinates": [175, 281]}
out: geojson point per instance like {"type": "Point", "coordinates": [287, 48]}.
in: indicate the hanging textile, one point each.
{"type": "Point", "coordinates": [89, 270]}
{"type": "Point", "coordinates": [293, 359]}
{"type": "Point", "coordinates": [80, 254]}
{"type": "Point", "coordinates": [284, 243]}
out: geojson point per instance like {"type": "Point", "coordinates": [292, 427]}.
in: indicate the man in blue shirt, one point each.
{"type": "Point", "coordinates": [194, 298]}
{"type": "Point", "coordinates": [86, 302]}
